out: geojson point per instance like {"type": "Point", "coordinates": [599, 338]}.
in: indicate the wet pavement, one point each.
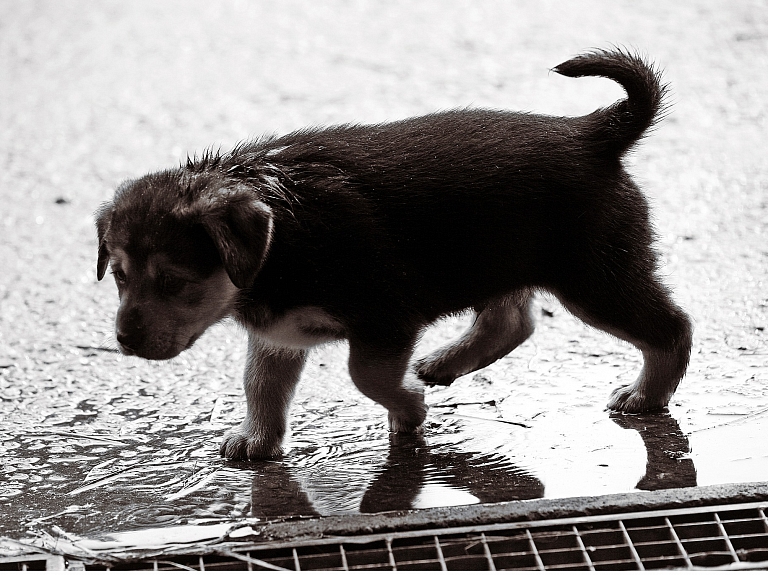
{"type": "Point", "coordinates": [93, 443]}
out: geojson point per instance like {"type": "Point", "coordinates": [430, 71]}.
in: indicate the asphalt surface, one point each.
{"type": "Point", "coordinates": [91, 94]}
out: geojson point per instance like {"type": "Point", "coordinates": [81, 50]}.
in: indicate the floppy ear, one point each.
{"type": "Point", "coordinates": [241, 227]}
{"type": "Point", "coordinates": [102, 225]}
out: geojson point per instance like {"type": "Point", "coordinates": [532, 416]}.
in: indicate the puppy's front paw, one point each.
{"type": "Point", "coordinates": [630, 399]}
{"type": "Point", "coordinates": [238, 444]}
{"type": "Point", "coordinates": [410, 423]}
{"type": "Point", "coordinates": [412, 411]}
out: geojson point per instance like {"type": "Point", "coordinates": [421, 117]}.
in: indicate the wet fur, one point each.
{"type": "Point", "coordinates": [371, 233]}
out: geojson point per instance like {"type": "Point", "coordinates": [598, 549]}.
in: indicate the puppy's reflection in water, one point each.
{"type": "Point", "coordinates": [669, 464]}
{"type": "Point", "coordinates": [412, 465]}
{"type": "Point", "coordinates": [412, 470]}
{"type": "Point", "coordinates": [276, 493]}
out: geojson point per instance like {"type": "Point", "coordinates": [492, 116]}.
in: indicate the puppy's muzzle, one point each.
{"type": "Point", "coordinates": [129, 330]}
{"type": "Point", "coordinates": [129, 342]}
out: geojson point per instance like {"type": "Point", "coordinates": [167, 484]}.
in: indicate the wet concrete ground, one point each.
{"type": "Point", "coordinates": [91, 442]}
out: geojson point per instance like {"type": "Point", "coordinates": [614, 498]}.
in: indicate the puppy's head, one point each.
{"type": "Point", "coordinates": [180, 248]}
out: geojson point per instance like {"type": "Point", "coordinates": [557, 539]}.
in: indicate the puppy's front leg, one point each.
{"type": "Point", "coordinates": [381, 373]}
{"type": "Point", "coordinates": [271, 375]}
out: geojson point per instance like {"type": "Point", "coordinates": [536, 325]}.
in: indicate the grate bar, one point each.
{"type": "Point", "coordinates": [440, 557]}
{"type": "Point", "coordinates": [487, 552]}
{"type": "Point", "coordinates": [587, 558]}
{"type": "Point", "coordinates": [391, 554]}
{"type": "Point", "coordinates": [251, 561]}
{"type": "Point", "coordinates": [343, 554]}
{"type": "Point", "coordinates": [743, 566]}
{"type": "Point", "coordinates": [680, 547]}
{"type": "Point", "coordinates": [635, 555]}
{"type": "Point", "coordinates": [178, 566]}
{"type": "Point", "coordinates": [539, 562]}
{"type": "Point", "coordinates": [727, 539]}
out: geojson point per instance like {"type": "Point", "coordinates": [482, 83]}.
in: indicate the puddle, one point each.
{"type": "Point", "coordinates": [94, 445]}
{"type": "Point", "coordinates": [86, 483]}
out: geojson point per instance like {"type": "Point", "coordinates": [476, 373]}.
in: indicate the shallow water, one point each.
{"type": "Point", "coordinates": [148, 457]}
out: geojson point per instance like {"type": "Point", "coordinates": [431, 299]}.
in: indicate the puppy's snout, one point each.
{"type": "Point", "coordinates": [129, 330]}
{"type": "Point", "coordinates": [128, 341]}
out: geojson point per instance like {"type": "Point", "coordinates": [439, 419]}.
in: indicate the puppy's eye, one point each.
{"type": "Point", "coordinates": [172, 284]}
{"type": "Point", "coordinates": [119, 275]}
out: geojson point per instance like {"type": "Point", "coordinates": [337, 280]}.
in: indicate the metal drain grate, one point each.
{"type": "Point", "coordinates": [730, 535]}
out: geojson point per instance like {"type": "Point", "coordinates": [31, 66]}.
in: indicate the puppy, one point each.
{"type": "Point", "coordinates": [371, 233]}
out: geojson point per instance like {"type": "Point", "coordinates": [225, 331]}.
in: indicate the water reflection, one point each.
{"type": "Point", "coordinates": [94, 479]}
{"type": "Point", "coordinates": [276, 493]}
{"type": "Point", "coordinates": [414, 475]}
{"type": "Point", "coordinates": [412, 465]}
{"type": "Point", "coordinates": [668, 451]}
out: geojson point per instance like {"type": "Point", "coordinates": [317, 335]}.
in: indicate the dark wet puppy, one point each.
{"type": "Point", "coordinates": [371, 233]}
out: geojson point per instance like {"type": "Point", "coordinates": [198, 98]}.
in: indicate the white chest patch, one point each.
{"type": "Point", "coordinates": [303, 328]}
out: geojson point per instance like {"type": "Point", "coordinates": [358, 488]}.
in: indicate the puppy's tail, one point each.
{"type": "Point", "coordinates": [621, 125]}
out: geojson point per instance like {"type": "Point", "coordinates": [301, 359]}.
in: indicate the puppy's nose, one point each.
{"type": "Point", "coordinates": [129, 343]}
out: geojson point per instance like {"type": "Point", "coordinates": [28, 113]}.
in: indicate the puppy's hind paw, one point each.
{"type": "Point", "coordinates": [242, 446]}
{"type": "Point", "coordinates": [631, 399]}
{"type": "Point", "coordinates": [430, 373]}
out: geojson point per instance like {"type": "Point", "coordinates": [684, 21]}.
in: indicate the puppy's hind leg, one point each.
{"type": "Point", "coordinates": [271, 375]}
{"type": "Point", "coordinates": [499, 327]}
{"type": "Point", "coordinates": [637, 309]}
{"type": "Point", "coordinates": [380, 371]}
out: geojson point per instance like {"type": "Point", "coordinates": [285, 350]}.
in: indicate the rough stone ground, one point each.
{"type": "Point", "coordinates": [95, 93]}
